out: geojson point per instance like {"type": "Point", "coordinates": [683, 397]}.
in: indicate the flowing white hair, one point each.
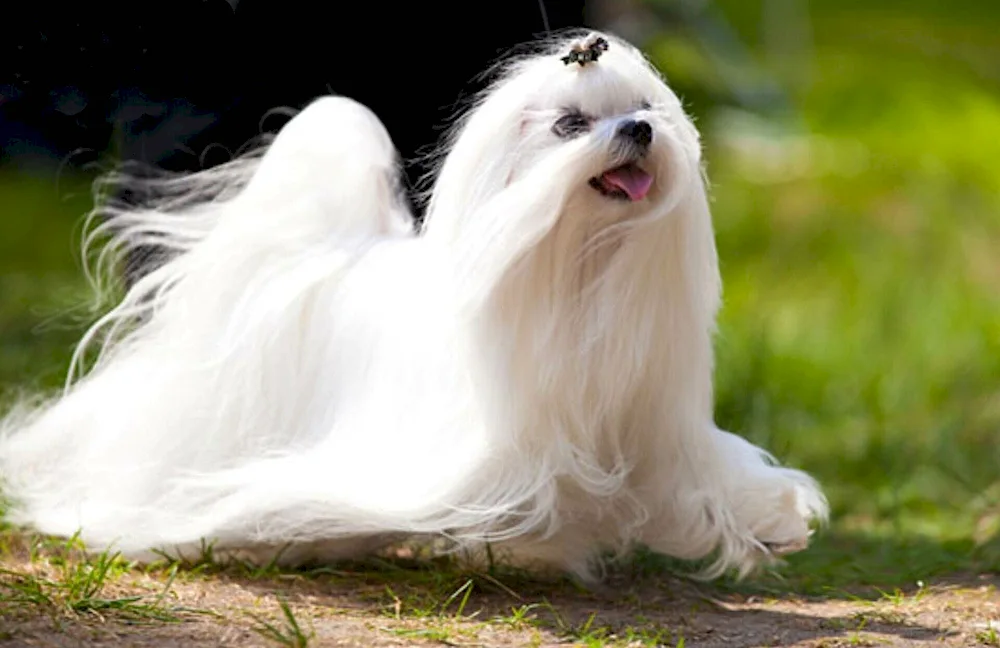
{"type": "Point", "coordinates": [534, 369]}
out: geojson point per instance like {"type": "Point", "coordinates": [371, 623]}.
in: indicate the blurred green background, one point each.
{"type": "Point", "coordinates": [854, 150]}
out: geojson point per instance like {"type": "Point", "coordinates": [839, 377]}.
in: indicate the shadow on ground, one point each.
{"type": "Point", "coordinates": [648, 602]}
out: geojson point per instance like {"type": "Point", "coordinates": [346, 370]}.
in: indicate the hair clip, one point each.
{"type": "Point", "coordinates": [586, 52]}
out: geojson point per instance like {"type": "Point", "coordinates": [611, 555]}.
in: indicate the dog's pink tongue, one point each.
{"type": "Point", "coordinates": [630, 179]}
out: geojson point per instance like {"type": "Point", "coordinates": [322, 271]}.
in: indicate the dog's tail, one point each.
{"type": "Point", "coordinates": [199, 362]}
{"type": "Point", "coordinates": [330, 175]}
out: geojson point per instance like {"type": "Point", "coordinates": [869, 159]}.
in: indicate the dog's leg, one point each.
{"type": "Point", "coordinates": [731, 496]}
{"type": "Point", "coordinates": [775, 504]}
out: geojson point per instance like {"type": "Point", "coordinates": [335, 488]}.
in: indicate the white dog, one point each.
{"type": "Point", "coordinates": [533, 370]}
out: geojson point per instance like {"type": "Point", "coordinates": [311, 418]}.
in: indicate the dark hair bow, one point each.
{"type": "Point", "coordinates": [586, 52]}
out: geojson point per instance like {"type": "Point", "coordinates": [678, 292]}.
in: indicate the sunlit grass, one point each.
{"type": "Point", "coordinates": [61, 580]}
{"type": "Point", "coordinates": [860, 337]}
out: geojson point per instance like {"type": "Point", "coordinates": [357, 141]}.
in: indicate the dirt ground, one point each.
{"type": "Point", "coordinates": [355, 609]}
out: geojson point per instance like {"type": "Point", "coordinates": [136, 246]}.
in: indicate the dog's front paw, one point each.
{"type": "Point", "coordinates": [784, 548]}
{"type": "Point", "coordinates": [783, 522]}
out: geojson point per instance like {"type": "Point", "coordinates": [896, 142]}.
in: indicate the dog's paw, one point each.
{"type": "Point", "coordinates": [783, 523]}
{"type": "Point", "coordinates": [784, 548]}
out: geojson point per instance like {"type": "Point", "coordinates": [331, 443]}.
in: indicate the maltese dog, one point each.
{"type": "Point", "coordinates": [309, 377]}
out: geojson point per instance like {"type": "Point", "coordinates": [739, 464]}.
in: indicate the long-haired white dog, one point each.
{"type": "Point", "coordinates": [309, 376]}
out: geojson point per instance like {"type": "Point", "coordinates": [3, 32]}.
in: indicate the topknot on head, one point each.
{"type": "Point", "coordinates": [586, 50]}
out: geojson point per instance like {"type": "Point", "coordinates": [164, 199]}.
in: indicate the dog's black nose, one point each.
{"type": "Point", "coordinates": [637, 130]}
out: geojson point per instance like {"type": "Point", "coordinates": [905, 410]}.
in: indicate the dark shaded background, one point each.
{"type": "Point", "coordinates": [184, 84]}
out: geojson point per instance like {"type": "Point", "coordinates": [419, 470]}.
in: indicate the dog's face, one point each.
{"type": "Point", "coordinates": [640, 146]}
{"type": "Point", "coordinates": [588, 146]}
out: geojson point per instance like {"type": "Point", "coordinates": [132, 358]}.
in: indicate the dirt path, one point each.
{"type": "Point", "coordinates": [378, 609]}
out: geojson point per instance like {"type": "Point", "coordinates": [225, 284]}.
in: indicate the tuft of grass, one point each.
{"type": "Point", "coordinates": [288, 633]}
{"type": "Point", "coordinates": [592, 633]}
{"type": "Point", "coordinates": [520, 616]}
{"type": "Point", "coordinates": [209, 562]}
{"type": "Point", "coordinates": [69, 583]}
{"type": "Point", "coordinates": [988, 637]}
{"type": "Point", "coordinates": [420, 601]}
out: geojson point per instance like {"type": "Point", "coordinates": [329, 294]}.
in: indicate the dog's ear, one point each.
{"type": "Point", "coordinates": [522, 129]}
{"type": "Point", "coordinates": [532, 116]}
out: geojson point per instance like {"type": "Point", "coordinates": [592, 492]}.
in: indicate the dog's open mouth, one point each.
{"type": "Point", "coordinates": [625, 182]}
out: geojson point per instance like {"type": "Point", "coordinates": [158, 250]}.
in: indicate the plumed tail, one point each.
{"type": "Point", "coordinates": [330, 174]}
{"type": "Point", "coordinates": [198, 365]}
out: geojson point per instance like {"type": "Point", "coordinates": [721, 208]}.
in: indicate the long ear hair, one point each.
{"type": "Point", "coordinates": [481, 148]}
{"type": "Point", "coordinates": [480, 157]}
{"type": "Point", "coordinates": [480, 139]}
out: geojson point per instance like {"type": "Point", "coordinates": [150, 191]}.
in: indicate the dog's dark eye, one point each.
{"type": "Point", "coordinates": [644, 105]}
{"type": "Point", "coordinates": [570, 125]}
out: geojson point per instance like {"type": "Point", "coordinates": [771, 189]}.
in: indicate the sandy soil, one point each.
{"type": "Point", "coordinates": [355, 609]}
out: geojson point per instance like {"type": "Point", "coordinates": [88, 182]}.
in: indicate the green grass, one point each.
{"type": "Point", "coordinates": [858, 228]}
{"type": "Point", "coordinates": [989, 637]}
{"type": "Point", "coordinates": [43, 296]}
{"type": "Point", "coordinates": [289, 633]}
{"type": "Point", "coordinates": [64, 581]}
{"type": "Point", "coordinates": [860, 337]}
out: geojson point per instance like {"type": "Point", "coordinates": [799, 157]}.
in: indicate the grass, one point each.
{"type": "Point", "coordinates": [858, 220]}
{"type": "Point", "coordinates": [857, 226]}
{"type": "Point", "coordinates": [62, 581]}
{"type": "Point", "coordinates": [989, 637]}
{"type": "Point", "coordinates": [288, 634]}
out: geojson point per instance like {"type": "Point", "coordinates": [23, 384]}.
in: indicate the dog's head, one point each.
{"type": "Point", "coordinates": [589, 122]}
